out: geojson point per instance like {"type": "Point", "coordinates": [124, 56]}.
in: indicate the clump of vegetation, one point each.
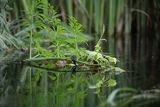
{"type": "Point", "coordinates": [47, 38]}
{"type": "Point", "coordinates": [55, 44]}
{"type": "Point", "coordinates": [51, 39]}
{"type": "Point", "coordinates": [52, 43]}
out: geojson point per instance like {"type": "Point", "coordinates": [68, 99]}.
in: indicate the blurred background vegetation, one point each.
{"type": "Point", "coordinates": [132, 32]}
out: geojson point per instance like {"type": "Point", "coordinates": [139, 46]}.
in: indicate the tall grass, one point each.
{"type": "Point", "coordinates": [6, 37]}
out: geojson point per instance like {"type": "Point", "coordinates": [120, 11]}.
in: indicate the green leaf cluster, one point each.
{"type": "Point", "coordinates": [51, 37]}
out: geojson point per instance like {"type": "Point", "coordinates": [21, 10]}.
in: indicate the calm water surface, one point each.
{"type": "Point", "coordinates": [26, 86]}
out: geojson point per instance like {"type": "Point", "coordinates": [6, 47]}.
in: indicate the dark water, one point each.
{"type": "Point", "coordinates": [26, 86]}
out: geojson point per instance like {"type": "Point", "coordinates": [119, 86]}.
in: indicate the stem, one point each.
{"type": "Point", "coordinates": [57, 58]}
{"type": "Point", "coordinates": [46, 58]}
{"type": "Point", "coordinates": [58, 49]}
{"type": "Point", "coordinates": [76, 43]}
{"type": "Point", "coordinates": [25, 4]}
{"type": "Point", "coordinates": [32, 13]}
{"type": "Point", "coordinates": [30, 47]}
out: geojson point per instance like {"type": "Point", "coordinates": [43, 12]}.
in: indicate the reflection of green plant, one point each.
{"type": "Point", "coordinates": [65, 88]}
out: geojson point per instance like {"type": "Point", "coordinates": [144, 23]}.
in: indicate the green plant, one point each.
{"type": "Point", "coordinates": [48, 34]}
{"type": "Point", "coordinates": [7, 39]}
{"type": "Point", "coordinates": [52, 39]}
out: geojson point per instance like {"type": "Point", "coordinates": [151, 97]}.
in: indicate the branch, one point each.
{"type": "Point", "coordinates": [57, 58]}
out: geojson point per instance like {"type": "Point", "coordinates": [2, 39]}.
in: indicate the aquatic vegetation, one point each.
{"type": "Point", "coordinates": [47, 37]}
{"type": "Point", "coordinates": [46, 59]}
{"type": "Point", "coordinates": [56, 48]}
{"type": "Point", "coordinates": [51, 39]}
{"type": "Point", "coordinates": [54, 45]}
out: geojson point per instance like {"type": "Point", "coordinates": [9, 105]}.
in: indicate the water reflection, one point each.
{"type": "Point", "coordinates": [34, 86]}
{"type": "Point", "coordinates": [26, 86]}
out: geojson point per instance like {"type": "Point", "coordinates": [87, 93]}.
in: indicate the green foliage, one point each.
{"type": "Point", "coordinates": [111, 83]}
{"type": "Point", "coordinates": [50, 37]}
{"type": "Point", "coordinates": [75, 25]}
{"type": "Point", "coordinates": [97, 56]}
{"type": "Point", "coordinates": [47, 37]}
{"type": "Point", "coordinates": [7, 39]}
{"type": "Point", "coordinates": [98, 45]}
{"type": "Point", "coordinates": [48, 34]}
